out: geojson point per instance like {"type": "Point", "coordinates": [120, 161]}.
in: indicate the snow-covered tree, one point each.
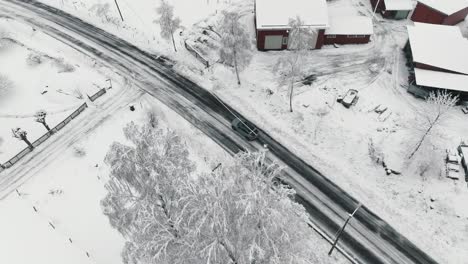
{"type": "Point", "coordinates": [438, 105]}
{"type": "Point", "coordinates": [236, 214]}
{"type": "Point", "coordinates": [103, 11]}
{"type": "Point", "coordinates": [40, 117]}
{"type": "Point", "coordinates": [167, 22]}
{"type": "Point", "coordinates": [5, 85]}
{"type": "Point", "coordinates": [235, 42]}
{"type": "Point", "coordinates": [21, 135]}
{"type": "Point", "coordinates": [290, 66]}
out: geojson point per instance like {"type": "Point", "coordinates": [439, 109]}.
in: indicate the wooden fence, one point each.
{"type": "Point", "coordinates": [197, 54]}
{"type": "Point", "coordinates": [44, 137]}
{"type": "Point", "coordinates": [95, 96]}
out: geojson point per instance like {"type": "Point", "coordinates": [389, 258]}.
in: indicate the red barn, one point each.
{"type": "Point", "coordinates": [394, 9]}
{"type": "Point", "coordinates": [272, 19]}
{"type": "Point", "coordinates": [443, 12]}
{"type": "Point", "coordinates": [349, 30]}
{"type": "Point", "coordinates": [438, 59]}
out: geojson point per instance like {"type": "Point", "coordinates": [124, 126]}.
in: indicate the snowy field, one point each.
{"type": "Point", "coordinates": [55, 216]}
{"type": "Point", "coordinates": [334, 139]}
{"type": "Point", "coordinates": [38, 77]}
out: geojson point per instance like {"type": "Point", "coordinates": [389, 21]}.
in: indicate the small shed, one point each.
{"type": "Point", "coordinates": [393, 9]}
{"type": "Point", "coordinates": [272, 19]}
{"type": "Point", "coordinates": [442, 12]}
{"type": "Point", "coordinates": [349, 30]}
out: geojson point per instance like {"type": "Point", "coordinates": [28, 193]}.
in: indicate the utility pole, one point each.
{"type": "Point", "coordinates": [340, 232]}
{"type": "Point", "coordinates": [118, 8]}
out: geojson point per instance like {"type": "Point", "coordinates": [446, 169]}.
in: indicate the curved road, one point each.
{"type": "Point", "coordinates": [368, 238]}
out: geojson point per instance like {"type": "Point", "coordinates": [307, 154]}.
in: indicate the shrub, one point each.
{"type": "Point", "coordinates": [34, 59]}
{"type": "Point", "coordinates": [5, 85]}
{"type": "Point", "coordinates": [79, 151]}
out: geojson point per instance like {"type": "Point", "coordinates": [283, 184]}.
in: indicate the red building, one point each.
{"type": "Point", "coordinates": [443, 12]}
{"type": "Point", "coordinates": [272, 21]}
{"type": "Point", "coordinates": [438, 59]}
{"type": "Point", "coordinates": [272, 24]}
{"type": "Point", "coordinates": [349, 30]}
{"type": "Point", "coordinates": [394, 9]}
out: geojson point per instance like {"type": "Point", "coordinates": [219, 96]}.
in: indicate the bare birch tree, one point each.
{"type": "Point", "coordinates": [167, 22]}
{"type": "Point", "coordinates": [290, 66]}
{"type": "Point", "coordinates": [40, 117]}
{"type": "Point", "coordinates": [438, 105]}
{"type": "Point", "coordinates": [22, 135]}
{"type": "Point", "coordinates": [235, 43]}
{"type": "Point", "coordinates": [236, 214]}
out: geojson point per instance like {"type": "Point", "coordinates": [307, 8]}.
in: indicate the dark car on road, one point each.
{"type": "Point", "coordinates": [245, 128]}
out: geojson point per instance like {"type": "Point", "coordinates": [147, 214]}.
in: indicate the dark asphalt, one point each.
{"type": "Point", "coordinates": [368, 238]}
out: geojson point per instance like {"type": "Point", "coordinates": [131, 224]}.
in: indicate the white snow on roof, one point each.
{"type": "Point", "coordinates": [443, 80]}
{"type": "Point", "coordinates": [352, 25]}
{"type": "Point", "coordinates": [447, 7]}
{"type": "Point", "coordinates": [439, 46]}
{"type": "Point", "coordinates": [392, 5]}
{"type": "Point", "coordinates": [275, 14]}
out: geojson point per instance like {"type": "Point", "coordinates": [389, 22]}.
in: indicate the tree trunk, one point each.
{"type": "Point", "coordinates": [422, 140]}
{"type": "Point", "coordinates": [235, 66]}
{"type": "Point", "coordinates": [173, 42]}
{"type": "Point", "coordinates": [229, 251]}
{"type": "Point", "coordinates": [25, 139]}
{"type": "Point", "coordinates": [291, 91]}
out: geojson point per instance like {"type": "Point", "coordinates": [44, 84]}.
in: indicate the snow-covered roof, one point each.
{"type": "Point", "coordinates": [352, 25]}
{"type": "Point", "coordinates": [393, 5]}
{"type": "Point", "coordinates": [443, 80]}
{"type": "Point", "coordinates": [275, 14]}
{"type": "Point", "coordinates": [447, 7]}
{"type": "Point", "coordinates": [439, 46]}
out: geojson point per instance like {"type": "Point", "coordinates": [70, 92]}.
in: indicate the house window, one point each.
{"type": "Point", "coordinates": [331, 36]}
{"type": "Point", "coordinates": [356, 36]}
{"type": "Point", "coordinates": [285, 40]}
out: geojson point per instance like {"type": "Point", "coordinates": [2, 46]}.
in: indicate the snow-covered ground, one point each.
{"type": "Point", "coordinates": [40, 78]}
{"type": "Point", "coordinates": [55, 216]}
{"type": "Point", "coordinates": [334, 139]}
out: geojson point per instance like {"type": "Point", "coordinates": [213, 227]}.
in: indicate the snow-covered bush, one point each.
{"type": "Point", "coordinates": [34, 59]}
{"type": "Point", "coordinates": [152, 118]}
{"type": "Point", "coordinates": [79, 151]}
{"type": "Point", "coordinates": [375, 152]}
{"type": "Point", "coordinates": [6, 85]}
{"type": "Point", "coordinates": [78, 93]}
{"type": "Point", "coordinates": [64, 66]}
{"type": "Point", "coordinates": [103, 11]}
{"type": "Point", "coordinates": [3, 38]}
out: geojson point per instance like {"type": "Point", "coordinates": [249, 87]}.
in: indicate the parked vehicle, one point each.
{"type": "Point", "coordinates": [245, 128]}
{"type": "Point", "coordinates": [350, 98]}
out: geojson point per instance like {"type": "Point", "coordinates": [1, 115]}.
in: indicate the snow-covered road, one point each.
{"type": "Point", "coordinates": [368, 238]}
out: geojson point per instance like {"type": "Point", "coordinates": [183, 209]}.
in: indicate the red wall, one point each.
{"type": "Point", "coordinates": [320, 39]}
{"type": "Point", "coordinates": [432, 68]}
{"type": "Point", "coordinates": [261, 37]}
{"type": "Point", "coordinates": [456, 17]}
{"type": "Point", "coordinates": [262, 33]}
{"type": "Point", "coordinates": [380, 7]}
{"type": "Point", "coordinates": [425, 14]}
{"type": "Point", "coordinates": [344, 39]}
